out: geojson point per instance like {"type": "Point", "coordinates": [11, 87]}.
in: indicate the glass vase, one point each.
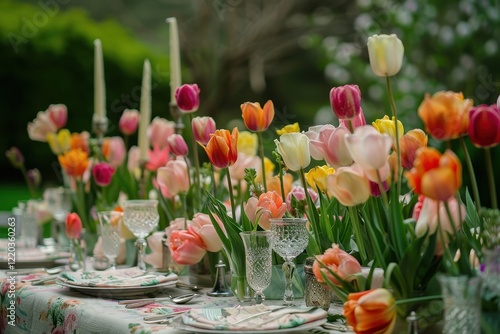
{"type": "Point", "coordinates": [462, 304]}
{"type": "Point", "coordinates": [78, 255]}
{"type": "Point", "coordinates": [240, 288]}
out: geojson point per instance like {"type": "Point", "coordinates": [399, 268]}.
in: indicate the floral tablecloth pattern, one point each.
{"type": "Point", "coordinates": [54, 309]}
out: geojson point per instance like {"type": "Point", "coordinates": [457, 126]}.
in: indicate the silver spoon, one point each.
{"type": "Point", "coordinates": [182, 299]}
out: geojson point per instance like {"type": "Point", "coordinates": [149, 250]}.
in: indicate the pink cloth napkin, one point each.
{"type": "Point", "coordinates": [252, 318]}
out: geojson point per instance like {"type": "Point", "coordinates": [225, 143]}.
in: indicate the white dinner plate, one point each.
{"type": "Point", "coordinates": [180, 325]}
{"type": "Point", "coordinates": [124, 292]}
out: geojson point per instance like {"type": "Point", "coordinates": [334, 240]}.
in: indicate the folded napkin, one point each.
{"type": "Point", "coordinates": [252, 318]}
{"type": "Point", "coordinates": [128, 277]}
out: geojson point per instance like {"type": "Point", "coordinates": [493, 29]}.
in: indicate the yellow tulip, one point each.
{"type": "Point", "coordinates": [289, 128]}
{"type": "Point", "coordinates": [386, 125]}
{"type": "Point", "coordinates": [318, 176]}
{"type": "Point", "coordinates": [59, 143]}
{"type": "Point", "coordinates": [247, 143]}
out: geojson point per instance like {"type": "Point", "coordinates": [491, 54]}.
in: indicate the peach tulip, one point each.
{"type": "Point", "coordinates": [386, 54]}
{"type": "Point", "coordinates": [237, 170]}
{"type": "Point", "coordinates": [445, 114]}
{"type": "Point", "coordinates": [338, 261]}
{"type": "Point", "coordinates": [203, 227]}
{"type": "Point", "coordinates": [74, 162]}
{"type": "Point", "coordinates": [174, 176]}
{"type": "Point", "coordinates": [435, 175]}
{"type": "Point", "coordinates": [202, 128]}
{"type": "Point", "coordinates": [41, 126]}
{"type": "Point", "coordinates": [331, 145]}
{"type": "Point", "coordinates": [274, 183]}
{"type": "Point", "coordinates": [409, 145]}
{"type": "Point", "coordinates": [187, 97]}
{"type": "Point", "coordinates": [113, 149]}
{"type": "Point", "coordinates": [346, 101]}
{"type": "Point", "coordinates": [186, 247]}
{"type": "Point", "coordinates": [368, 147]}
{"type": "Point", "coordinates": [222, 148]}
{"type": "Point", "coordinates": [129, 121]}
{"type": "Point", "coordinates": [349, 185]}
{"type": "Point", "coordinates": [158, 132]}
{"type": "Point", "coordinates": [294, 149]}
{"type": "Point", "coordinates": [73, 226]}
{"type": "Point", "coordinates": [257, 119]}
{"type": "Point", "coordinates": [58, 113]}
{"type": "Point", "coordinates": [269, 205]}
{"type": "Point", "coordinates": [371, 311]}
{"type": "Point", "coordinates": [430, 217]}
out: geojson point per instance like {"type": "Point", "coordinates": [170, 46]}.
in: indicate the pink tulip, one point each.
{"type": "Point", "coordinates": [346, 101]}
{"type": "Point", "coordinates": [349, 185]}
{"type": "Point", "coordinates": [331, 145]}
{"type": "Point", "coordinates": [58, 113]}
{"type": "Point", "coordinates": [178, 145]}
{"type": "Point", "coordinates": [157, 158]}
{"type": "Point", "coordinates": [188, 98]}
{"type": "Point", "coordinates": [237, 170]}
{"type": "Point", "coordinates": [73, 226]}
{"type": "Point", "coordinates": [203, 227]}
{"type": "Point", "coordinates": [134, 156]}
{"type": "Point", "coordinates": [269, 205]}
{"type": "Point", "coordinates": [186, 247]}
{"type": "Point", "coordinates": [300, 195]}
{"type": "Point", "coordinates": [431, 217]}
{"type": "Point", "coordinates": [158, 132]}
{"type": "Point", "coordinates": [174, 176]}
{"type": "Point", "coordinates": [129, 121]}
{"type": "Point", "coordinates": [484, 125]}
{"type": "Point", "coordinates": [356, 121]}
{"type": "Point", "coordinates": [41, 126]}
{"type": "Point", "coordinates": [202, 128]}
{"type": "Point", "coordinates": [338, 261]}
{"type": "Point", "coordinates": [313, 133]}
{"type": "Point", "coordinates": [114, 150]}
{"type": "Point", "coordinates": [368, 147]}
{"type": "Point", "coordinates": [103, 173]}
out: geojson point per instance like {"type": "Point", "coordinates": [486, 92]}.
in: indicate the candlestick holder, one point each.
{"type": "Point", "coordinates": [177, 117]}
{"type": "Point", "coordinates": [99, 127]}
{"type": "Point", "coordinates": [143, 179]}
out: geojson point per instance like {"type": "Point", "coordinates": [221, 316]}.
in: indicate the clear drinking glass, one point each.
{"type": "Point", "coordinates": [141, 218]}
{"type": "Point", "coordinates": [58, 201]}
{"type": "Point", "coordinates": [258, 254]}
{"type": "Point", "coordinates": [290, 238]}
{"type": "Point", "coordinates": [110, 225]}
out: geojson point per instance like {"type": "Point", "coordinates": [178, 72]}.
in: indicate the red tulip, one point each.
{"type": "Point", "coordinates": [222, 148]}
{"type": "Point", "coordinates": [103, 173]}
{"type": "Point", "coordinates": [346, 101]}
{"type": "Point", "coordinates": [484, 125]}
{"type": "Point", "coordinates": [73, 226]}
{"type": "Point", "coordinates": [188, 98]}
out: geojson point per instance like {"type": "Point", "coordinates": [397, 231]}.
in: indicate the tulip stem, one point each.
{"type": "Point", "coordinates": [382, 190]}
{"type": "Point", "coordinates": [196, 161]}
{"type": "Point", "coordinates": [231, 195]}
{"type": "Point", "coordinates": [262, 161]}
{"type": "Point", "coordinates": [315, 226]}
{"type": "Point", "coordinates": [472, 175]}
{"type": "Point", "coordinates": [356, 228]}
{"type": "Point", "coordinates": [491, 178]}
{"type": "Point", "coordinates": [395, 115]}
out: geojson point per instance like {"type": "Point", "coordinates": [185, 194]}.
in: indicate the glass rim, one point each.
{"type": "Point", "coordinates": [140, 202]}
{"type": "Point", "coordinates": [292, 220]}
{"type": "Point", "coordinates": [256, 232]}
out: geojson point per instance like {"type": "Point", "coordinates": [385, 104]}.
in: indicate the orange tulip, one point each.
{"type": "Point", "coordinates": [80, 140]}
{"type": "Point", "coordinates": [409, 145]}
{"type": "Point", "coordinates": [445, 114]}
{"type": "Point", "coordinates": [435, 175]}
{"type": "Point", "coordinates": [274, 183]}
{"type": "Point", "coordinates": [257, 119]}
{"type": "Point", "coordinates": [73, 226]}
{"type": "Point", "coordinates": [74, 162]}
{"type": "Point", "coordinates": [371, 312]}
{"type": "Point", "coordinates": [222, 148]}
{"type": "Point", "coordinates": [338, 261]}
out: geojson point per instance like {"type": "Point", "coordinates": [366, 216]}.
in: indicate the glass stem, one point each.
{"type": "Point", "coordinates": [141, 245]}
{"type": "Point", "coordinates": [288, 269]}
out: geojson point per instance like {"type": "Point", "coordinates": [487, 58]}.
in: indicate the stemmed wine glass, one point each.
{"type": "Point", "coordinates": [290, 238]}
{"type": "Point", "coordinates": [110, 224]}
{"type": "Point", "coordinates": [258, 254]}
{"type": "Point", "coordinates": [58, 201]}
{"type": "Point", "coordinates": [141, 217]}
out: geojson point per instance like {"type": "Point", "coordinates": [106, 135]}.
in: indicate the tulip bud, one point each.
{"type": "Point", "coordinates": [58, 114]}
{"type": "Point", "coordinates": [386, 54]}
{"type": "Point", "coordinates": [188, 98]}
{"type": "Point", "coordinates": [346, 101]}
{"type": "Point", "coordinates": [73, 226]}
{"type": "Point", "coordinates": [15, 157]}
{"type": "Point", "coordinates": [103, 173]}
{"type": "Point", "coordinates": [34, 177]}
{"type": "Point", "coordinates": [129, 121]}
{"type": "Point", "coordinates": [484, 125]}
{"type": "Point", "coordinates": [178, 145]}
{"type": "Point", "coordinates": [202, 128]}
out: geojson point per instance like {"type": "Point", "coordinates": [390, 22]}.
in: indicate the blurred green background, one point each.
{"type": "Point", "coordinates": [290, 51]}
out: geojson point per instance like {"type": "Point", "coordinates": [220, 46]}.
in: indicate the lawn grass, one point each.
{"type": "Point", "coordinates": [10, 194]}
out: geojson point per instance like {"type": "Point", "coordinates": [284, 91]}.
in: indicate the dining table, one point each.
{"type": "Point", "coordinates": [52, 306]}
